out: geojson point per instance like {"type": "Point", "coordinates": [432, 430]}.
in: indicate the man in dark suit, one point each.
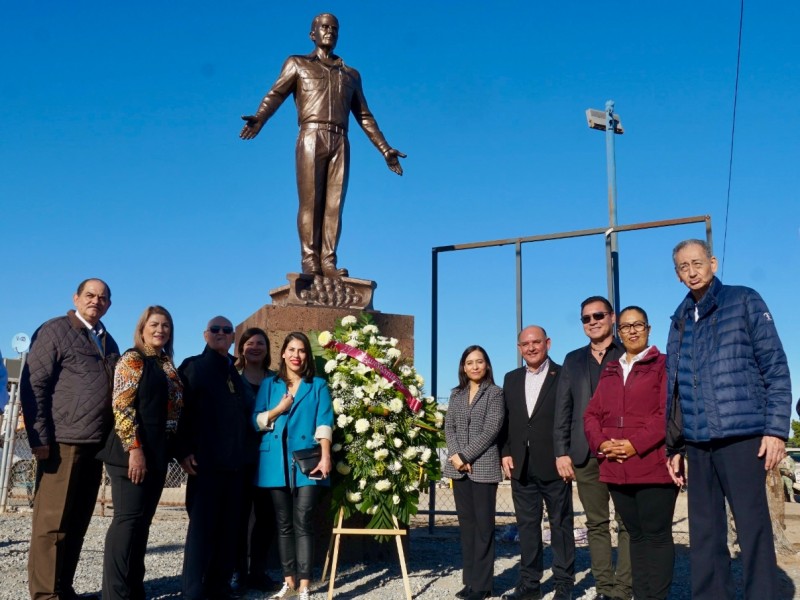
{"type": "Point", "coordinates": [529, 461]}
{"type": "Point", "coordinates": [216, 447]}
{"type": "Point", "coordinates": [578, 381]}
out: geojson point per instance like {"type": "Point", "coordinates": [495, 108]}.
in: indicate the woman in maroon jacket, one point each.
{"type": "Point", "coordinates": [625, 427]}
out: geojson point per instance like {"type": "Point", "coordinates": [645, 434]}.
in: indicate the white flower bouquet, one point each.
{"type": "Point", "coordinates": [386, 432]}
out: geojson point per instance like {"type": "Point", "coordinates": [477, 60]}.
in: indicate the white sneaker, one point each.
{"type": "Point", "coordinates": [303, 594]}
{"type": "Point", "coordinates": [285, 592]}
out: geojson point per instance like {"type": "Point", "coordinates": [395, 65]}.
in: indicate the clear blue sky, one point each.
{"type": "Point", "coordinates": [120, 158]}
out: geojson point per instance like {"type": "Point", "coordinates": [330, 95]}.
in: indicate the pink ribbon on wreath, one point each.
{"type": "Point", "coordinates": [365, 359]}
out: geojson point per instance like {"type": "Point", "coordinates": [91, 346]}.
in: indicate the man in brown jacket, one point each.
{"type": "Point", "coordinates": [66, 399]}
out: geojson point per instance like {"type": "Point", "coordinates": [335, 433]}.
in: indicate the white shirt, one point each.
{"type": "Point", "coordinates": [627, 366]}
{"type": "Point", "coordinates": [534, 379]}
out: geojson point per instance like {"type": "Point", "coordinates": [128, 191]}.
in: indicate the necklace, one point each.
{"type": "Point", "coordinates": [600, 352]}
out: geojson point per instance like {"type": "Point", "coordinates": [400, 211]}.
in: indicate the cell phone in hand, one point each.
{"type": "Point", "coordinates": [316, 476]}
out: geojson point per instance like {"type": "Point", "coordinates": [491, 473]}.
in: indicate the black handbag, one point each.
{"type": "Point", "coordinates": [306, 460]}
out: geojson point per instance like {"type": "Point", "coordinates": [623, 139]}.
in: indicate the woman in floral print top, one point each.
{"type": "Point", "coordinates": [147, 401]}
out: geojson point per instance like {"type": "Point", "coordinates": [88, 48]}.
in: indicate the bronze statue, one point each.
{"type": "Point", "coordinates": [325, 91]}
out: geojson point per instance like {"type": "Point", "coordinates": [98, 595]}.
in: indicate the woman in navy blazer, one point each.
{"type": "Point", "coordinates": [294, 411]}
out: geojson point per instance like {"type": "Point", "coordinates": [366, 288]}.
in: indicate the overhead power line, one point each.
{"type": "Point", "coordinates": [733, 135]}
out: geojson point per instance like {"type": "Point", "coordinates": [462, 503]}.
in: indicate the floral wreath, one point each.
{"type": "Point", "coordinates": [386, 432]}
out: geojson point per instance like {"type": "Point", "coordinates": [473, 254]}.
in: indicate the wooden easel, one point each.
{"type": "Point", "coordinates": [336, 536]}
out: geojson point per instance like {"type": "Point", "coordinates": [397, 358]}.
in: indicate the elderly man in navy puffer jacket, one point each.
{"type": "Point", "coordinates": [729, 402]}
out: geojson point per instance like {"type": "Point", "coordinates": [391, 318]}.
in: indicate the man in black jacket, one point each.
{"type": "Point", "coordinates": [528, 460]}
{"type": "Point", "coordinates": [65, 390]}
{"type": "Point", "coordinates": [579, 376]}
{"type": "Point", "coordinates": [216, 441]}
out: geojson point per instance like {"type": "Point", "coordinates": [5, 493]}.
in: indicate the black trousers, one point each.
{"type": "Point", "coordinates": [475, 505]}
{"type": "Point", "coordinates": [647, 512]}
{"type": "Point", "coordinates": [126, 538]}
{"type": "Point", "coordinates": [294, 513]}
{"type": "Point", "coordinates": [257, 530]}
{"type": "Point", "coordinates": [213, 501]}
{"type": "Point", "coordinates": [530, 494]}
{"type": "Point", "coordinates": [729, 468]}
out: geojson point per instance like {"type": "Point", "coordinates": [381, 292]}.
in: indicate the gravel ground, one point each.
{"type": "Point", "coordinates": [433, 565]}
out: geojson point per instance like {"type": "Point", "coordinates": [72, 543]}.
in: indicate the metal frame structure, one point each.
{"type": "Point", "coordinates": [613, 283]}
{"type": "Point", "coordinates": [517, 242]}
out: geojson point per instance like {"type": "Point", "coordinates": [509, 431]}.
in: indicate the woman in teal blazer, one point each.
{"type": "Point", "coordinates": [294, 411]}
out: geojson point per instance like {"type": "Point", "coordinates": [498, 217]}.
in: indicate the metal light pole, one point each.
{"type": "Point", "coordinates": [610, 123]}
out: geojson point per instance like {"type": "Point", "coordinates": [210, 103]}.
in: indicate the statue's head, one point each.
{"type": "Point", "coordinates": [325, 31]}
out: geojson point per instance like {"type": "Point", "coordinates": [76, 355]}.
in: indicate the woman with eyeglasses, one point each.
{"type": "Point", "coordinates": [294, 410]}
{"type": "Point", "coordinates": [147, 402]}
{"type": "Point", "coordinates": [625, 428]}
{"type": "Point", "coordinates": [473, 421]}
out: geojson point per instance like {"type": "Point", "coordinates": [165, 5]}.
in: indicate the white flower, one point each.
{"type": "Point", "coordinates": [341, 421]}
{"type": "Point", "coordinates": [372, 510]}
{"type": "Point", "coordinates": [343, 468]}
{"type": "Point", "coordinates": [396, 405]}
{"type": "Point", "coordinates": [362, 483]}
{"type": "Point", "coordinates": [349, 419]}
{"type": "Point", "coordinates": [430, 400]}
{"type": "Point", "coordinates": [393, 353]}
{"type": "Point", "coordinates": [341, 356]}
{"type": "Point", "coordinates": [413, 433]}
{"type": "Point", "coordinates": [361, 369]}
{"type": "Point", "coordinates": [362, 425]}
{"type": "Point", "coordinates": [349, 320]}
{"type": "Point", "coordinates": [370, 329]}
{"type": "Point", "coordinates": [420, 380]}
{"type": "Point", "coordinates": [412, 487]}
{"type": "Point", "coordinates": [381, 454]}
{"type": "Point", "coordinates": [370, 444]}
{"type": "Point", "coordinates": [353, 341]}
{"type": "Point", "coordinates": [354, 497]}
{"type": "Point", "coordinates": [336, 447]}
{"type": "Point", "coordinates": [358, 392]}
{"type": "Point", "coordinates": [410, 453]}
{"type": "Point", "coordinates": [393, 342]}
{"type": "Point", "coordinates": [324, 338]}
{"type": "Point", "coordinates": [391, 428]}
{"type": "Point", "coordinates": [373, 341]}
{"type": "Point", "coordinates": [395, 499]}
{"type": "Point", "coordinates": [426, 454]}
{"type": "Point", "coordinates": [405, 370]}
{"type": "Point", "coordinates": [338, 406]}
{"type": "Point", "coordinates": [383, 340]}
{"type": "Point", "coordinates": [331, 365]}
{"type": "Point", "coordinates": [384, 383]}
{"type": "Point", "coordinates": [383, 485]}
{"type": "Point", "coordinates": [395, 466]}
{"type": "Point", "coordinates": [439, 419]}
{"type": "Point", "coordinates": [397, 442]}
{"type": "Point", "coordinates": [414, 391]}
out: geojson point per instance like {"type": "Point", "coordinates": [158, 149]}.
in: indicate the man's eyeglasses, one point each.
{"type": "Point", "coordinates": [638, 327]}
{"type": "Point", "coordinates": [226, 329]}
{"type": "Point", "coordinates": [598, 316]}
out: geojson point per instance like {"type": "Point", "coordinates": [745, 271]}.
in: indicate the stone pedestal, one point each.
{"type": "Point", "coordinates": [278, 321]}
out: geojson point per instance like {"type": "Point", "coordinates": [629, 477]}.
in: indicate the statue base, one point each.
{"type": "Point", "coordinates": [318, 290]}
